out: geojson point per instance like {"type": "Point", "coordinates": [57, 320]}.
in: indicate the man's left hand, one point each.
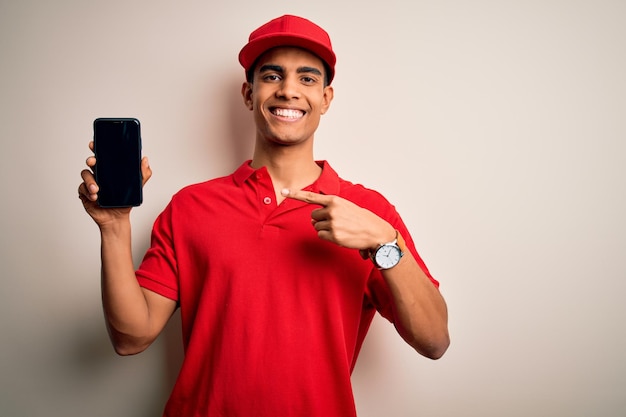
{"type": "Point", "coordinates": [343, 222]}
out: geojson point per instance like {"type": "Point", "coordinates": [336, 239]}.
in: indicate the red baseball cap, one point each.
{"type": "Point", "coordinates": [289, 30]}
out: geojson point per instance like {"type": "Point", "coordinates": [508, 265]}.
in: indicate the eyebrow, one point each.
{"type": "Point", "coordinates": [300, 70]}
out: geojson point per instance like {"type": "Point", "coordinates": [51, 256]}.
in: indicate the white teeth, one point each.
{"type": "Point", "coordinates": [291, 113]}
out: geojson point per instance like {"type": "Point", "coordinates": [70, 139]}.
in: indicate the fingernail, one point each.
{"type": "Point", "coordinates": [92, 188]}
{"type": "Point", "coordinates": [285, 192]}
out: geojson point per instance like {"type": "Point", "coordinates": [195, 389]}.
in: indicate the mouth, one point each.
{"type": "Point", "coordinates": [291, 114]}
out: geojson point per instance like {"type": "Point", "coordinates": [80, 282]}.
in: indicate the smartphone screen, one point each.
{"type": "Point", "coordinates": [117, 147]}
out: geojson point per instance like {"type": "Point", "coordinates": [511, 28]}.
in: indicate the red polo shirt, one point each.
{"type": "Point", "coordinates": [272, 316]}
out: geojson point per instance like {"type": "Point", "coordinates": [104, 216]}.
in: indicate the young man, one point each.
{"type": "Point", "coordinates": [278, 268]}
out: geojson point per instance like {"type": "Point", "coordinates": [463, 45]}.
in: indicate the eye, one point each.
{"type": "Point", "coordinates": [271, 77]}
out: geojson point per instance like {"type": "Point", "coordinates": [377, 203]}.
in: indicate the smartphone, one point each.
{"type": "Point", "coordinates": [117, 147]}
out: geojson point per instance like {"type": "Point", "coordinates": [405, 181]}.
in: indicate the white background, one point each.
{"type": "Point", "coordinates": [497, 128]}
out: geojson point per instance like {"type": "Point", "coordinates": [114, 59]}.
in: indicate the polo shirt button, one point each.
{"type": "Point", "coordinates": [267, 200]}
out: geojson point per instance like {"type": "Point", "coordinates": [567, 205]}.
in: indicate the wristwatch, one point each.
{"type": "Point", "coordinates": [387, 255]}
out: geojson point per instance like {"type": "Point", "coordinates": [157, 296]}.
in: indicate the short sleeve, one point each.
{"type": "Point", "coordinates": [158, 271]}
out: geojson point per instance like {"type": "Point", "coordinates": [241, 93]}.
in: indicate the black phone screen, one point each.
{"type": "Point", "coordinates": [117, 147]}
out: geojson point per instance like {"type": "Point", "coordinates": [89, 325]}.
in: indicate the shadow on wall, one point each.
{"type": "Point", "coordinates": [91, 373]}
{"type": "Point", "coordinates": [239, 125]}
{"type": "Point", "coordinates": [237, 134]}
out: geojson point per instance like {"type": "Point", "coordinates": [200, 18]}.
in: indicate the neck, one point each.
{"type": "Point", "coordinates": [288, 168]}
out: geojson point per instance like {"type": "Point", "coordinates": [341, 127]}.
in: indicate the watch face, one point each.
{"type": "Point", "coordinates": [387, 256]}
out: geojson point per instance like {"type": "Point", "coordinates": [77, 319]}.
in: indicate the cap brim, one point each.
{"type": "Point", "coordinates": [255, 48]}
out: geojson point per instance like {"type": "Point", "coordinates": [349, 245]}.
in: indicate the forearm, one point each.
{"type": "Point", "coordinates": [125, 306]}
{"type": "Point", "coordinates": [420, 312]}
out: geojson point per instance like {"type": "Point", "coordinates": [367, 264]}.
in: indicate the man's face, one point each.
{"type": "Point", "coordinates": [287, 95]}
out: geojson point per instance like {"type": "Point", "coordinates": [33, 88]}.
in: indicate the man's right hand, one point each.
{"type": "Point", "coordinates": [88, 193]}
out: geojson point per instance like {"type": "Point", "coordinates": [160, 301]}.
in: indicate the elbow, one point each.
{"type": "Point", "coordinates": [432, 347]}
{"type": "Point", "coordinates": [125, 345]}
{"type": "Point", "coordinates": [124, 349]}
{"type": "Point", "coordinates": [435, 350]}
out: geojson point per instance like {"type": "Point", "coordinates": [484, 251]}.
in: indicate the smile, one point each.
{"type": "Point", "coordinates": [288, 113]}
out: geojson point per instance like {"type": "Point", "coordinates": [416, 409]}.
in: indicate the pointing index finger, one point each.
{"type": "Point", "coordinates": [307, 196]}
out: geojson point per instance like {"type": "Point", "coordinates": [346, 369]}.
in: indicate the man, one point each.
{"type": "Point", "coordinates": [278, 268]}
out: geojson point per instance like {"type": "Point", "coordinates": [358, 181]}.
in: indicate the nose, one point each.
{"type": "Point", "coordinates": [289, 88]}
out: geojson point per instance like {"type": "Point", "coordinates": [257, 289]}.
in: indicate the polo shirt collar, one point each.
{"type": "Point", "coordinates": [327, 183]}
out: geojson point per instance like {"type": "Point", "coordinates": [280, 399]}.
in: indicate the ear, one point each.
{"type": "Point", "coordinates": [329, 94]}
{"type": "Point", "coordinates": [246, 93]}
